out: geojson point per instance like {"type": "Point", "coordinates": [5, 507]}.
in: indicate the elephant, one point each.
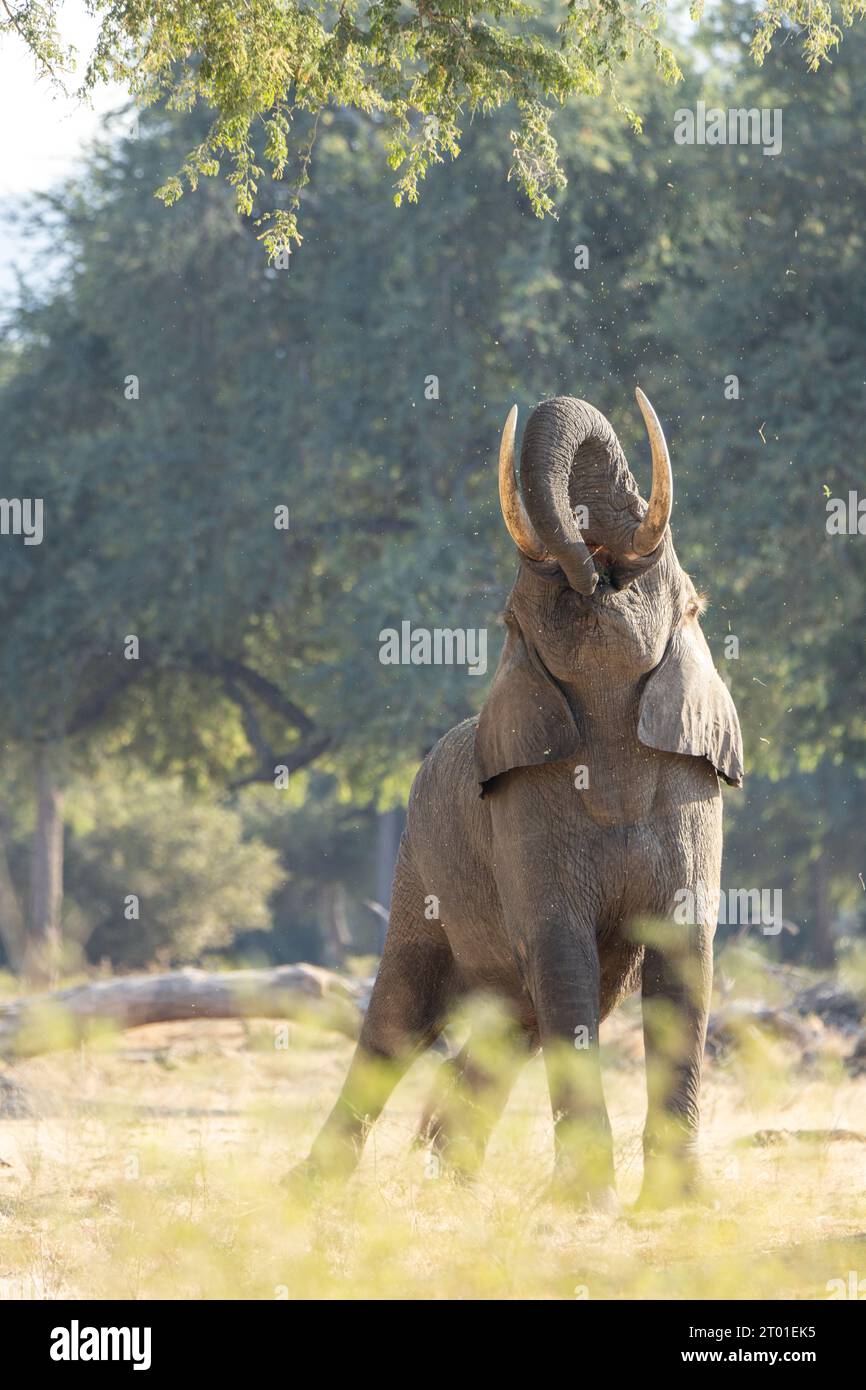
{"type": "Point", "coordinates": [556, 831]}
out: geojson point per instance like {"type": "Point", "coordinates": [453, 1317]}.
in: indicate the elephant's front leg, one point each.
{"type": "Point", "coordinates": [564, 979]}
{"type": "Point", "coordinates": [676, 987]}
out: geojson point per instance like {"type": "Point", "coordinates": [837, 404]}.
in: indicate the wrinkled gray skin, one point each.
{"type": "Point", "coordinates": [542, 886]}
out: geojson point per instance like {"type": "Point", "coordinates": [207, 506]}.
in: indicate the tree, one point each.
{"type": "Point", "coordinates": [367, 395]}
{"type": "Point", "coordinates": [163, 409]}
{"type": "Point", "coordinates": [419, 71]}
{"type": "Point", "coordinates": [157, 875]}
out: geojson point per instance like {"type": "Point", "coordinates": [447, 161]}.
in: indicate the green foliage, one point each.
{"type": "Point", "coordinates": [820, 20]}
{"type": "Point", "coordinates": [325, 841]}
{"type": "Point", "coordinates": [199, 882]}
{"type": "Point", "coordinates": [420, 72]}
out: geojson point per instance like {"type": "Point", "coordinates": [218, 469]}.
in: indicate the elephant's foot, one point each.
{"type": "Point", "coordinates": [440, 1168]}
{"type": "Point", "coordinates": [331, 1162]}
{"type": "Point", "coordinates": [454, 1157]}
{"type": "Point", "coordinates": [670, 1181]}
{"type": "Point", "coordinates": [311, 1179]}
{"type": "Point", "coordinates": [587, 1189]}
{"type": "Point", "coordinates": [302, 1180]}
{"type": "Point", "coordinates": [583, 1170]}
{"type": "Point", "coordinates": [580, 1197]}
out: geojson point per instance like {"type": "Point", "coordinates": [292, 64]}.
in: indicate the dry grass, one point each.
{"type": "Point", "coordinates": [152, 1168]}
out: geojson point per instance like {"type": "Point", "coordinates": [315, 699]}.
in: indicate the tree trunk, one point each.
{"type": "Point", "coordinates": [334, 928]}
{"type": "Point", "coordinates": [13, 932]}
{"type": "Point", "coordinates": [46, 868]}
{"type": "Point", "coordinates": [48, 1022]}
{"type": "Point", "coordinates": [824, 941]}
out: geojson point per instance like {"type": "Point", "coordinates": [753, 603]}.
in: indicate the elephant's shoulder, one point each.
{"type": "Point", "coordinates": [448, 755]}
{"type": "Point", "coordinates": [446, 778]}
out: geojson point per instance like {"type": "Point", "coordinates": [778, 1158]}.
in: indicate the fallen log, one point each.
{"type": "Point", "coordinates": [856, 1063]}
{"type": "Point", "coordinates": [727, 1028]}
{"type": "Point", "coordinates": [767, 1138]}
{"type": "Point", "coordinates": [15, 1102]}
{"type": "Point", "coordinates": [302, 993]}
{"type": "Point", "coordinates": [839, 1008]}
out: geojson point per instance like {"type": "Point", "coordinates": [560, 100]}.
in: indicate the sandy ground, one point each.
{"type": "Point", "coordinates": [150, 1167]}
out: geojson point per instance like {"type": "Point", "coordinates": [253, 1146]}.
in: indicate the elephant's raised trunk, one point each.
{"type": "Point", "coordinates": [572, 458]}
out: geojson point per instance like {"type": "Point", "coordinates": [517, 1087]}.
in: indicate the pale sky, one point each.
{"type": "Point", "coordinates": [44, 132]}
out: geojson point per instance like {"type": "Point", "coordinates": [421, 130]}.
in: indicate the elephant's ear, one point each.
{"type": "Point", "coordinates": [687, 708]}
{"type": "Point", "coordinates": [526, 719]}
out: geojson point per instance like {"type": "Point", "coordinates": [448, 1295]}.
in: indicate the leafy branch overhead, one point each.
{"type": "Point", "coordinates": [268, 69]}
